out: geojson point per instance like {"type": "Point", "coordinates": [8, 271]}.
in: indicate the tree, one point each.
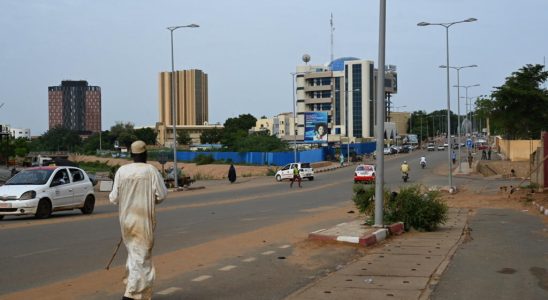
{"type": "Point", "coordinates": [211, 136]}
{"type": "Point", "coordinates": [519, 106]}
{"type": "Point", "coordinates": [147, 135]}
{"type": "Point", "coordinates": [60, 139]}
{"type": "Point", "coordinates": [242, 122]}
{"type": "Point", "coordinates": [124, 133]}
{"type": "Point", "coordinates": [183, 137]}
{"type": "Point", "coordinates": [259, 143]}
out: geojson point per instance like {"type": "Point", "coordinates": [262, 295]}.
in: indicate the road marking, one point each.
{"type": "Point", "coordinates": [341, 224]}
{"type": "Point", "coordinates": [250, 259]}
{"type": "Point", "coordinates": [227, 268]}
{"type": "Point", "coordinates": [36, 252]}
{"type": "Point", "coordinates": [285, 246]}
{"type": "Point", "coordinates": [168, 291]}
{"type": "Point", "coordinates": [201, 278]}
{"type": "Point", "coordinates": [268, 252]}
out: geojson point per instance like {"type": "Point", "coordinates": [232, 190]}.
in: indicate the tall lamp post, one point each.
{"type": "Point", "coordinates": [293, 74]}
{"type": "Point", "coordinates": [173, 106]}
{"type": "Point", "coordinates": [447, 25]}
{"type": "Point", "coordinates": [458, 107]}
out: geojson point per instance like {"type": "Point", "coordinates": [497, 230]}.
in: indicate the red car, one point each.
{"type": "Point", "coordinates": [364, 173]}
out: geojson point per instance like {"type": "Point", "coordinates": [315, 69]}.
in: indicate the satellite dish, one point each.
{"type": "Point", "coordinates": [306, 58]}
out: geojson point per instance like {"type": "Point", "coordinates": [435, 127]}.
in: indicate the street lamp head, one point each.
{"type": "Point", "coordinates": [172, 28]}
{"type": "Point", "coordinates": [470, 20]}
{"type": "Point", "coordinates": [472, 66]}
{"type": "Point", "coordinates": [193, 25]}
{"type": "Point", "coordinates": [443, 66]}
{"type": "Point", "coordinates": [423, 24]}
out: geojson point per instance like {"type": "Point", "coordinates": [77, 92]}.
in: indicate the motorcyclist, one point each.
{"type": "Point", "coordinates": [423, 161]}
{"type": "Point", "coordinates": [404, 168]}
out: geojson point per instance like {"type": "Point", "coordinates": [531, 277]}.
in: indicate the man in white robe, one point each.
{"type": "Point", "coordinates": [137, 188]}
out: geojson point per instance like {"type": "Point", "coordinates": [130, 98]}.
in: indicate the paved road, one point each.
{"type": "Point", "coordinates": [38, 253]}
{"type": "Point", "coordinates": [506, 258]}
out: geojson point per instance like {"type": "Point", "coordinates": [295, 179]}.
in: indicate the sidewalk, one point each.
{"type": "Point", "coordinates": [404, 267]}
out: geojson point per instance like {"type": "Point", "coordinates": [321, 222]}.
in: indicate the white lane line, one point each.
{"type": "Point", "coordinates": [250, 259]}
{"type": "Point", "coordinates": [227, 268]}
{"type": "Point", "coordinates": [201, 278]}
{"type": "Point", "coordinates": [168, 291]}
{"type": "Point", "coordinates": [268, 252]}
{"type": "Point", "coordinates": [36, 252]}
{"type": "Point", "coordinates": [285, 246]}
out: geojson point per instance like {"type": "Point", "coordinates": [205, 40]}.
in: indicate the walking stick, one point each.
{"type": "Point", "coordinates": [114, 254]}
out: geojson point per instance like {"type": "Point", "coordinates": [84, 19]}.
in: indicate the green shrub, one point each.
{"type": "Point", "coordinates": [422, 211]}
{"type": "Point", "coordinates": [364, 198]}
{"type": "Point", "coordinates": [271, 172]}
{"type": "Point", "coordinates": [203, 159]}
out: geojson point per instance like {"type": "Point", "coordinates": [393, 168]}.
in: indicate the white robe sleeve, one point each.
{"type": "Point", "coordinates": [160, 190]}
{"type": "Point", "coordinates": [113, 196]}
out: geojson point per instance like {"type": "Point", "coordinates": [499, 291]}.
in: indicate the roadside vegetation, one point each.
{"type": "Point", "coordinates": [418, 209]}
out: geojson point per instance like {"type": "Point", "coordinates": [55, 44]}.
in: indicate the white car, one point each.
{"type": "Point", "coordinates": [286, 172]}
{"type": "Point", "coordinates": [42, 190]}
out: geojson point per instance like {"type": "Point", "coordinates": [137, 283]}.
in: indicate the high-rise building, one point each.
{"type": "Point", "coordinates": [191, 98]}
{"type": "Point", "coordinates": [345, 90]}
{"type": "Point", "coordinates": [75, 105]}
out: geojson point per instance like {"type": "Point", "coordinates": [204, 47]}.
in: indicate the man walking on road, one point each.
{"type": "Point", "coordinates": [137, 188]}
{"type": "Point", "coordinates": [296, 176]}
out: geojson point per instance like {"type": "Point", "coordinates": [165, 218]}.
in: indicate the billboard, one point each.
{"type": "Point", "coordinates": [315, 127]}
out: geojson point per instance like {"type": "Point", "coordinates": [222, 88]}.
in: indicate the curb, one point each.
{"type": "Point", "coordinates": [366, 240]}
{"type": "Point", "coordinates": [541, 208]}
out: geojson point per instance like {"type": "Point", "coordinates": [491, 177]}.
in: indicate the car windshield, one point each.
{"type": "Point", "coordinates": [31, 177]}
{"type": "Point", "coordinates": [305, 165]}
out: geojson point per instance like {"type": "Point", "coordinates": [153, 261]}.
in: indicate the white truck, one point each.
{"type": "Point", "coordinates": [286, 172]}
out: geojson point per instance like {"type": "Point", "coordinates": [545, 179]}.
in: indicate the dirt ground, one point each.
{"type": "Point", "coordinates": [520, 199]}
{"type": "Point", "coordinates": [203, 172]}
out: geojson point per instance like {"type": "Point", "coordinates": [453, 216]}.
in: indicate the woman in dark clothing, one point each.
{"type": "Point", "coordinates": [232, 173]}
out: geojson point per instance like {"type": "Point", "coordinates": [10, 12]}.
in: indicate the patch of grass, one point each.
{"type": "Point", "coordinates": [94, 167]}
{"type": "Point", "coordinates": [201, 176]}
{"type": "Point", "coordinates": [247, 175]}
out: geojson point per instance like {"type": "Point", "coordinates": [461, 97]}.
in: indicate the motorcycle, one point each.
{"type": "Point", "coordinates": [423, 164]}
{"type": "Point", "coordinates": [405, 176]}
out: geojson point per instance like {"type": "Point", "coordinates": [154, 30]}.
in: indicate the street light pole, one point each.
{"type": "Point", "coordinates": [173, 106]}
{"type": "Point", "coordinates": [379, 182]}
{"type": "Point", "coordinates": [458, 108]}
{"type": "Point", "coordinates": [294, 121]}
{"type": "Point", "coordinates": [447, 25]}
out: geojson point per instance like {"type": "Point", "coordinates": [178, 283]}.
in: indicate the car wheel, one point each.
{"type": "Point", "coordinates": [43, 211]}
{"type": "Point", "coordinates": [89, 205]}
{"type": "Point", "coordinates": [310, 178]}
{"type": "Point", "coordinates": [278, 178]}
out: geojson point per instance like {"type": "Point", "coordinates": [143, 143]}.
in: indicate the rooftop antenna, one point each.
{"type": "Point", "coordinates": [332, 30]}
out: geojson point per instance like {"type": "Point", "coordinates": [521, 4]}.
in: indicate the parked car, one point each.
{"type": "Point", "coordinates": [286, 172]}
{"type": "Point", "coordinates": [431, 147]}
{"type": "Point", "coordinates": [40, 191]}
{"type": "Point", "coordinates": [364, 173]}
{"type": "Point", "coordinates": [387, 151]}
{"type": "Point", "coordinates": [441, 148]}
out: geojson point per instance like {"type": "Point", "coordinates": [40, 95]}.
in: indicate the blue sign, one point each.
{"type": "Point", "coordinates": [469, 143]}
{"type": "Point", "coordinates": [315, 127]}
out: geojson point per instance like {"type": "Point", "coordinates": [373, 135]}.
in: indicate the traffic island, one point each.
{"type": "Point", "coordinates": [355, 232]}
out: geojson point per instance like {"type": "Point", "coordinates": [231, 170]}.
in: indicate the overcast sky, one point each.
{"type": "Point", "coordinates": [248, 49]}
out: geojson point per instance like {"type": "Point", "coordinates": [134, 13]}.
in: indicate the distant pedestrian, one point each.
{"type": "Point", "coordinates": [470, 160]}
{"type": "Point", "coordinates": [232, 173]}
{"type": "Point", "coordinates": [296, 176]}
{"type": "Point", "coordinates": [454, 157]}
{"type": "Point", "coordinates": [341, 158]}
{"type": "Point", "coordinates": [489, 154]}
{"type": "Point", "coordinates": [483, 154]}
{"type": "Point", "coordinates": [137, 188]}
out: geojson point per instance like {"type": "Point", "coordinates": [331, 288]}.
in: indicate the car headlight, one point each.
{"type": "Point", "coordinates": [28, 195]}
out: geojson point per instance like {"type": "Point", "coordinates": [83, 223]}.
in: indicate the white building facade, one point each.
{"type": "Point", "coordinates": [345, 89]}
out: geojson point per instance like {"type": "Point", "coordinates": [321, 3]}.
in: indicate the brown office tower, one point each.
{"type": "Point", "coordinates": [191, 100]}
{"type": "Point", "coordinates": [76, 106]}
